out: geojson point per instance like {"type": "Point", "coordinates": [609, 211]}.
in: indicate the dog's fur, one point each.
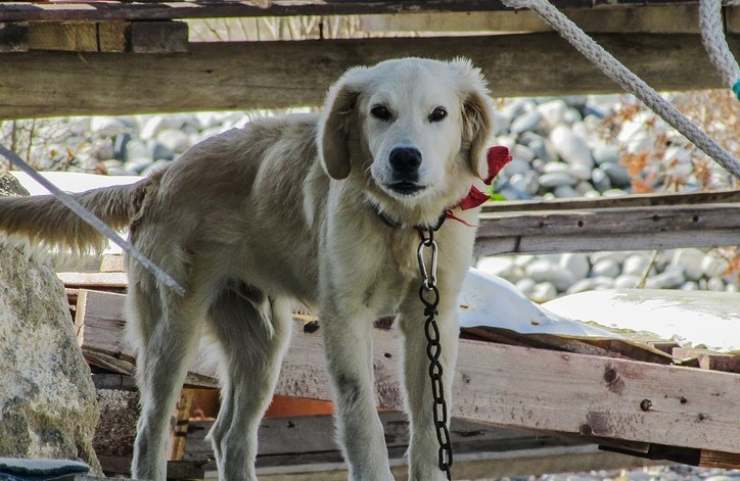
{"type": "Point", "coordinates": [286, 210]}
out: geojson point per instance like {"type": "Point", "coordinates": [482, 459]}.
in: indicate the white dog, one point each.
{"type": "Point", "coordinates": [317, 209]}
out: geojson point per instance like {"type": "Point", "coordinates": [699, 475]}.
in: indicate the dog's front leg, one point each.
{"type": "Point", "coordinates": [348, 340]}
{"type": "Point", "coordinates": [424, 447]}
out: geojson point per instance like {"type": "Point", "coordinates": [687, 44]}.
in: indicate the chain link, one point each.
{"type": "Point", "coordinates": [429, 295]}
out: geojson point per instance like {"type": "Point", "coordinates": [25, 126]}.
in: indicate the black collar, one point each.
{"type": "Point", "coordinates": [395, 224]}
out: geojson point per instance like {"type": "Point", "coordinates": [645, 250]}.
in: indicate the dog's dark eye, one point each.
{"type": "Point", "coordinates": [438, 114]}
{"type": "Point", "coordinates": [381, 112]}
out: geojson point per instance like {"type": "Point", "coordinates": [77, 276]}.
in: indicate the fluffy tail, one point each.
{"type": "Point", "coordinates": [44, 219]}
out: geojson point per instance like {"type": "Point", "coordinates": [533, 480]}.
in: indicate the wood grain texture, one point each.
{"type": "Point", "coordinates": [67, 36]}
{"type": "Point", "coordinates": [292, 73]}
{"type": "Point", "coordinates": [618, 241]}
{"type": "Point", "coordinates": [536, 389]}
{"type": "Point", "coordinates": [634, 200]}
{"type": "Point", "coordinates": [56, 10]}
{"type": "Point", "coordinates": [642, 220]}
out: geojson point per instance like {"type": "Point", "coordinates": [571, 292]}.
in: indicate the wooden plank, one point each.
{"type": "Point", "coordinates": [112, 263]}
{"type": "Point", "coordinates": [112, 36]}
{"type": "Point", "coordinates": [285, 74]}
{"type": "Point", "coordinates": [66, 36]}
{"type": "Point", "coordinates": [648, 19]}
{"type": "Point", "coordinates": [179, 432]}
{"type": "Point", "coordinates": [635, 200]}
{"type": "Point", "coordinates": [13, 37]}
{"type": "Point", "coordinates": [289, 446]}
{"type": "Point", "coordinates": [158, 37]}
{"type": "Point", "coordinates": [56, 10]}
{"type": "Point", "coordinates": [551, 391]}
{"type": "Point", "coordinates": [97, 280]}
{"type": "Point", "coordinates": [295, 440]}
{"type": "Point", "coordinates": [638, 220]}
{"type": "Point", "coordinates": [546, 244]}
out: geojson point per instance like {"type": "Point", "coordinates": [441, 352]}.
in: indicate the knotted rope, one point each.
{"type": "Point", "coordinates": [712, 35]}
{"type": "Point", "coordinates": [630, 82]}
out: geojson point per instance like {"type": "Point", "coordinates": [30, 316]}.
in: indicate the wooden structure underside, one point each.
{"type": "Point", "coordinates": [65, 58]}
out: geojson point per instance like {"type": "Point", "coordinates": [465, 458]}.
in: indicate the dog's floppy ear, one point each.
{"type": "Point", "coordinates": [336, 122]}
{"type": "Point", "coordinates": [477, 115]}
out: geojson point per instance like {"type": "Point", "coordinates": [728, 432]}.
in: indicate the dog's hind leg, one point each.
{"type": "Point", "coordinates": [165, 329]}
{"type": "Point", "coordinates": [253, 332]}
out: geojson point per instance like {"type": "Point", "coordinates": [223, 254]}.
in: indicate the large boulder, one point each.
{"type": "Point", "coordinates": [48, 405]}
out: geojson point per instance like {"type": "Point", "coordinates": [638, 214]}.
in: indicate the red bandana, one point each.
{"type": "Point", "coordinates": [498, 156]}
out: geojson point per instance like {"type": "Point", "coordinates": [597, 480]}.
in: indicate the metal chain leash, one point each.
{"type": "Point", "coordinates": [429, 295]}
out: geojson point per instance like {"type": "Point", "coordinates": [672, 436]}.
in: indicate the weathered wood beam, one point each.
{"type": "Point", "coordinates": [250, 75]}
{"type": "Point", "coordinates": [56, 10]}
{"type": "Point", "coordinates": [571, 228]}
{"type": "Point", "coordinates": [530, 388]}
{"type": "Point", "coordinates": [635, 200]}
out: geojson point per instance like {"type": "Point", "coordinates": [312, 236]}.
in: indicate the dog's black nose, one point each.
{"type": "Point", "coordinates": [405, 162]}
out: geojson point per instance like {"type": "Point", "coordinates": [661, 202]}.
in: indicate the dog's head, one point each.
{"type": "Point", "coordinates": [415, 130]}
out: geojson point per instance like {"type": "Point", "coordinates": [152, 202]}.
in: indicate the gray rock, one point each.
{"type": "Point", "coordinates": [527, 138]}
{"type": "Point", "coordinates": [152, 127]}
{"type": "Point", "coordinates": [137, 166]}
{"type": "Point", "coordinates": [108, 126]}
{"type": "Point", "coordinates": [516, 166]}
{"type": "Point", "coordinates": [557, 179]}
{"type": "Point", "coordinates": [565, 192]}
{"type": "Point", "coordinates": [713, 265]}
{"type": "Point", "coordinates": [635, 264]}
{"type": "Point", "coordinates": [583, 187]}
{"type": "Point", "coordinates": [626, 282]}
{"type": "Point", "coordinates": [528, 121]}
{"type": "Point", "coordinates": [606, 154]}
{"type": "Point", "coordinates": [600, 180]}
{"type": "Point", "coordinates": [522, 153]}
{"type": "Point", "coordinates": [614, 193]}
{"type": "Point", "coordinates": [690, 286]}
{"type": "Point", "coordinates": [103, 149]}
{"type": "Point", "coordinates": [572, 116]}
{"type": "Point", "coordinates": [582, 286]}
{"type": "Point", "coordinates": [545, 271]}
{"type": "Point", "coordinates": [135, 149]}
{"type": "Point", "coordinates": [525, 182]}
{"type": "Point", "coordinates": [732, 288]}
{"type": "Point", "coordinates": [691, 262]}
{"type": "Point", "coordinates": [617, 174]}
{"type": "Point", "coordinates": [175, 140]}
{"type": "Point", "coordinates": [47, 400]}
{"type": "Point", "coordinates": [526, 286]}
{"type": "Point", "coordinates": [553, 112]}
{"type": "Point", "coordinates": [670, 279]}
{"type": "Point", "coordinates": [580, 171]}
{"type": "Point", "coordinates": [592, 194]}
{"type": "Point", "coordinates": [155, 167]}
{"type": "Point", "coordinates": [571, 147]}
{"type": "Point", "coordinates": [501, 267]}
{"type": "Point", "coordinates": [715, 284]}
{"type": "Point", "coordinates": [543, 292]}
{"type": "Point", "coordinates": [542, 150]}
{"type": "Point", "coordinates": [602, 282]}
{"type": "Point", "coordinates": [576, 264]}
{"type": "Point", "coordinates": [515, 108]}
{"type": "Point", "coordinates": [162, 152]}
{"type": "Point", "coordinates": [551, 167]}
{"type": "Point", "coordinates": [120, 146]}
{"type": "Point", "coordinates": [500, 122]}
{"type": "Point", "coordinates": [606, 267]}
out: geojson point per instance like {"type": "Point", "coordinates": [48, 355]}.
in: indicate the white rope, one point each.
{"type": "Point", "coordinates": [93, 220]}
{"type": "Point", "coordinates": [712, 35]}
{"type": "Point", "coordinates": [628, 80]}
